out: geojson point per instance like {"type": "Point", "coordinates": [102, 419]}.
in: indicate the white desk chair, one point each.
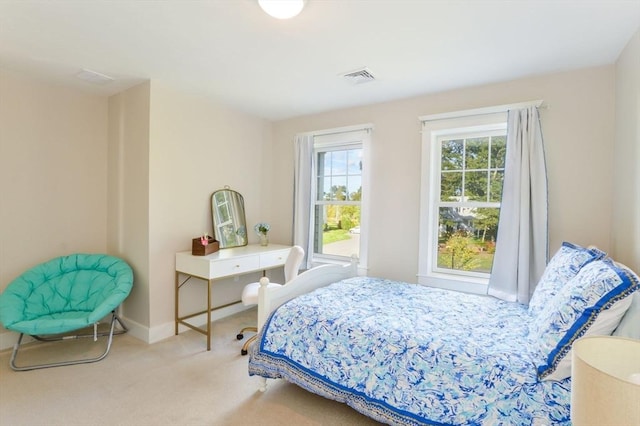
{"type": "Point", "coordinates": [250, 292]}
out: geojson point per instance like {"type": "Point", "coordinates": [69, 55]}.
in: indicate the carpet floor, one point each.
{"type": "Point", "coordinates": [173, 382]}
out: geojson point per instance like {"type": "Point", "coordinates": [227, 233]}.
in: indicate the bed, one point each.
{"type": "Point", "coordinates": [407, 354]}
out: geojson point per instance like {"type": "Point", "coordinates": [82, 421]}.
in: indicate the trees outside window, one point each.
{"type": "Point", "coordinates": [338, 198]}
{"type": "Point", "coordinates": [463, 172]}
{"type": "Point", "coordinates": [471, 171]}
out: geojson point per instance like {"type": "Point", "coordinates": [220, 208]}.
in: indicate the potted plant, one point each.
{"type": "Point", "coordinates": [262, 229]}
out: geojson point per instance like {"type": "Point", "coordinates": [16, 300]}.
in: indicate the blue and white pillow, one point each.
{"type": "Point", "coordinates": [563, 266]}
{"type": "Point", "coordinates": [591, 303]}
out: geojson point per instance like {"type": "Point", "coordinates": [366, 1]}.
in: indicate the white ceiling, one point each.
{"type": "Point", "coordinates": [231, 51]}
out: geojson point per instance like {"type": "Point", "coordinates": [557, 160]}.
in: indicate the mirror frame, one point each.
{"type": "Point", "coordinates": [228, 218]}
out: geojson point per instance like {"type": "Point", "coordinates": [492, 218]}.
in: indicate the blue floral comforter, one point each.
{"type": "Point", "coordinates": [407, 354]}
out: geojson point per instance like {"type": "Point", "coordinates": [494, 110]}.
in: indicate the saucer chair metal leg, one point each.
{"type": "Point", "coordinates": [94, 335]}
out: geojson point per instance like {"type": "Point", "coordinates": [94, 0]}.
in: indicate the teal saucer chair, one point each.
{"type": "Point", "coordinates": [65, 295]}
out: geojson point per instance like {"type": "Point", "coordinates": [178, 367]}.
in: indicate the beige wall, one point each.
{"type": "Point", "coordinates": [168, 152]}
{"type": "Point", "coordinates": [626, 185]}
{"type": "Point", "coordinates": [53, 173]}
{"type": "Point", "coordinates": [578, 128]}
{"type": "Point", "coordinates": [128, 195]}
{"type": "Point", "coordinates": [130, 175]}
{"type": "Point", "coordinates": [197, 147]}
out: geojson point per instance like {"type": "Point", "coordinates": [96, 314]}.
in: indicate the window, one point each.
{"type": "Point", "coordinates": [337, 199]}
{"type": "Point", "coordinates": [471, 169]}
{"type": "Point", "coordinates": [463, 171]}
{"type": "Point", "coordinates": [337, 185]}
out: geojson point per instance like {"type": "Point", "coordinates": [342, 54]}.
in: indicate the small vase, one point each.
{"type": "Point", "coordinates": [264, 240]}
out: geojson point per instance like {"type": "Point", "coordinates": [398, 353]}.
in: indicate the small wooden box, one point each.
{"type": "Point", "coordinates": [197, 249]}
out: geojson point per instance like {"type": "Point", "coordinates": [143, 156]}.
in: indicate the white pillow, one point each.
{"type": "Point", "coordinates": [591, 303]}
{"type": "Point", "coordinates": [630, 324]}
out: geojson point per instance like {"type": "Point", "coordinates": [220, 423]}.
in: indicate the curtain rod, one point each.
{"type": "Point", "coordinates": [480, 111]}
{"type": "Point", "coordinates": [355, 128]}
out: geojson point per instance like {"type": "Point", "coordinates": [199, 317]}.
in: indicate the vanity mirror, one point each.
{"type": "Point", "coordinates": [227, 214]}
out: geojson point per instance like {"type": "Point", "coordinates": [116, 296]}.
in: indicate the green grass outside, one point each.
{"type": "Point", "coordinates": [485, 261]}
{"type": "Point", "coordinates": [334, 235]}
{"type": "Point", "coordinates": [444, 256]}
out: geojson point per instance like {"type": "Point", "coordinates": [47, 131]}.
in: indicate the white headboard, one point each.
{"type": "Point", "coordinates": [320, 276]}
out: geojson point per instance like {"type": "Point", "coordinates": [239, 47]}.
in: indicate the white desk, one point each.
{"type": "Point", "coordinates": [221, 264]}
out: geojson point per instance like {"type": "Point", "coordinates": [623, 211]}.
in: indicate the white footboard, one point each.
{"type": "Point", "coordinates": [320, 276]}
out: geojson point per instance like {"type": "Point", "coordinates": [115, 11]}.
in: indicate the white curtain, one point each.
{"type": "Point", "coordinates": [303, 188]}
{"type": "Point", "coordinates": [522, 242]}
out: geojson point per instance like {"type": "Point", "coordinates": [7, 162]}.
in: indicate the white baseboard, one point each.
{"type": "Point", "coordinates": [149, 335]}
{"type": "Point", "coordinates": [8, 339]}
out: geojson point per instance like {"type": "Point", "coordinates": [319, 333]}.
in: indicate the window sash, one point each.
{"type": "Point", "coordinates": [462, 135]}
{"type": "Point", "coordinates": [334, 143]}
{"type": "Point", "coordinates": [436, 171]}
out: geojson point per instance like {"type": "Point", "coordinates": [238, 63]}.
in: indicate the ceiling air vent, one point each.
{"type": "Point", "coordinates": [360, 76]}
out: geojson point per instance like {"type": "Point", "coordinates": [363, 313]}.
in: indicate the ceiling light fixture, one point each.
{"type": "Point", "coordinates": [282, 9]}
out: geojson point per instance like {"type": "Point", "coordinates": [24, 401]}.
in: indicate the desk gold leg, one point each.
{"type": "Point", "coordinates": [176, 300]}
{"type": "Point", "coordinates": [209, 314]}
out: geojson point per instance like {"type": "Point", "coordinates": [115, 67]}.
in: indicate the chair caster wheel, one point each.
{"type": "Point", "coordinates": [240, 336]}
{"type": "Point", "coordinates": [243, 352]}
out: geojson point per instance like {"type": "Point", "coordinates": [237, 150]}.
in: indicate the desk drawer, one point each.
{"type": "Point", "coordinates": [236, 266]}
{"type": "Point", "coordinates": [273, 258]}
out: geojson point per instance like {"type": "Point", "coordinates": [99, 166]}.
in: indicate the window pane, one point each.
{"type": "Point", "coordinates": [477, 153]}
{"type": "Point", "coordinates": [495, 188]}
{"type": "Point", "coordinates": [354, 188]}
{"type": "Point", "coordinates": [337, 230]}
{"type": "Point", "coordinates": [451, 186]}
{"type": "Point", "coordinates": [324, 188]}
{"type": "Point", "coordinates": [354, 158]}
{"type": "Point", "coordinates": [339, 188]}
{"type": "Point", "coordinates": [452, 154]}
{"type": "Point", "coordinates": [466, 238]}
{"type": "Point", "coordinates": [340, 175]}
{"type": "Point", "coordinates": [498, 151]}
{"type": "Point", "coordinates": [475, 186]}
{"type": "Point", "coordinates": [485, 225]}
{"type": "Point", "coordinates": [339, 163]}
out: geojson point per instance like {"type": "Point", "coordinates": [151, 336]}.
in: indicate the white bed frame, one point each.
{"type": "Point", "coordinates": [320, 276]}
{"type": "Point", "coordinates": [270, 298]}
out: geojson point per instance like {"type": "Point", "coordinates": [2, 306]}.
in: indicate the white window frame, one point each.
{"type": "Point", "coordinates": [433, 130]}
{"type": "Point", "coordinates": [336, 140]}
